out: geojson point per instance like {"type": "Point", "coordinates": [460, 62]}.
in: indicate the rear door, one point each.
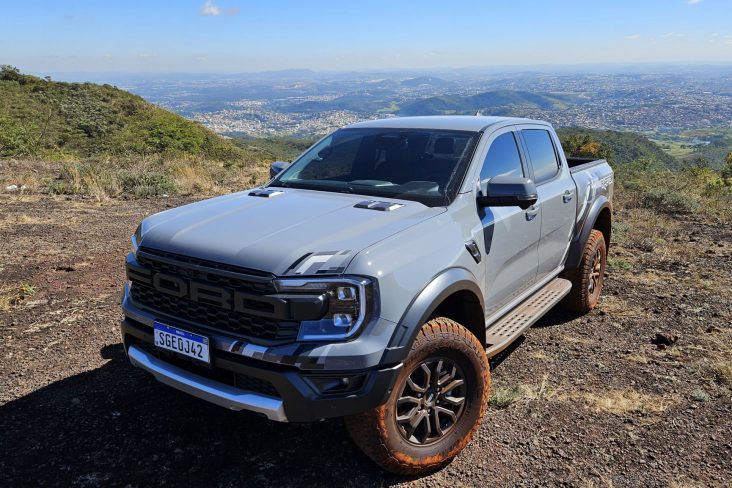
{"type": "Point", "coordinates": [557, 196]}
{"type": "Point", "coordinates": [511, 234]}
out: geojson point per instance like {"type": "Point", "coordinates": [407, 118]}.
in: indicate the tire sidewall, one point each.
{"type": "Point", "coordinates": [597, 244]}
{"type": "Point", "coordinates": [463, 355]}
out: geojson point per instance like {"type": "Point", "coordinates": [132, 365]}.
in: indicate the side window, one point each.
{"type": "Point", "coordinates": [542, 154]}
{"type": "Point", "coordinates": [503, 158]}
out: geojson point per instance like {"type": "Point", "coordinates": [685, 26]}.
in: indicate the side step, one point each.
{"type": "Point", "coordinates": [512, 326]}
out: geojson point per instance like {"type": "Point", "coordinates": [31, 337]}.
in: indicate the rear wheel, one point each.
{"type": "Point", "coordinates": [588, 278]}
{"type": "Point", "coordinates": [435, 407]}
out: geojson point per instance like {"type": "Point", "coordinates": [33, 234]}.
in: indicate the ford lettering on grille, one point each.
{"type": "Point", "coordinates": [236, 300]}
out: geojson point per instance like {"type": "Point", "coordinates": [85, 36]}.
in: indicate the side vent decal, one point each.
{"type": "Point", "coordinates": [376, 205]}
{"type": "Point", "coordinates": [265, 193]}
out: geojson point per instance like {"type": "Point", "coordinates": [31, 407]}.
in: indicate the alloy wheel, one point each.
{"type": "Point", "coordinates": [431, 401]}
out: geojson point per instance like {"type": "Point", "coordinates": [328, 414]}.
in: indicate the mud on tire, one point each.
{"type": "Point", "coordinates": [587, 279]}
{"type": "Point", "coordinates": [458, 368]}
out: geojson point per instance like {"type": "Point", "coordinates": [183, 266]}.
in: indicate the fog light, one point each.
{"type": "Point", "coordinates": [342, 320]}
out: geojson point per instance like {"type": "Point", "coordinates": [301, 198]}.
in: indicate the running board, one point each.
{"type": "Point", "coordinates": [512, 326]}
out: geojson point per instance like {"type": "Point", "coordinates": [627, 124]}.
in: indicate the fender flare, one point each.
{"type": "Point", "coordinates": [423, 306]}
{"type": "Point", "coordinates": [578, 243]}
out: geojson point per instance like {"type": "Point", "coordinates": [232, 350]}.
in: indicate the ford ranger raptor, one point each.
{"type": "Point", "coordinates": [372, 278]}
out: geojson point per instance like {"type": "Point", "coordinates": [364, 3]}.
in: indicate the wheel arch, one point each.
{"type": "Point", "coordinates": [454, 294]}
{"type": "Point", "coordinates": [600, 218]}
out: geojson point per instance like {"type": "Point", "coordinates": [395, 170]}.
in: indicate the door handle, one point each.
{"type": "Point", "coordinates": [567, 196]}
{"type": "Point", "coordinates": [532, 212]}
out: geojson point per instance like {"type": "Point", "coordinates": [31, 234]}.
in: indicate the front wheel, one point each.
{"type": "Point", "coordinates": [435, 407]}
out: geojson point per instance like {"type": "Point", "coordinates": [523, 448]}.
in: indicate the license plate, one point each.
{"type": "Point", "coordinates": [181, 341]}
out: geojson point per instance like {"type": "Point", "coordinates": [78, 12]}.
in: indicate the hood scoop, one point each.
{"type": "Point", "coordinates": [377, 205]}
{"type": "Point", "coordinates": [265, 193]}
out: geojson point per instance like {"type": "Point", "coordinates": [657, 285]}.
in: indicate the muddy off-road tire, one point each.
{"type": "Point", "coordinates": [435, 407]}
{"type": "Point", "coordinates": [588, 278]}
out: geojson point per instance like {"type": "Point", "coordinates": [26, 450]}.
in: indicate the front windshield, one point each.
{"type": "Point", "coordinates": [412, 164]}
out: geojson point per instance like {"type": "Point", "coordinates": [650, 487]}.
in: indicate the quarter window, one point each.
{"type": "Point", "coordinates": [503, 158]}
{"type": "Point", "coordinates": [542, 154]}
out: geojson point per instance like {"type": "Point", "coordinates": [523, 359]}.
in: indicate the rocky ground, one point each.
{"type": "Point", "coordinates": [598, 400]}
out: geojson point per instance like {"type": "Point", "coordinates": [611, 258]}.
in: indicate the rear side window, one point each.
{"type": "Point", "coordinates": [503, 158]}
{"type": "Point", "coordinates": [542, 154]}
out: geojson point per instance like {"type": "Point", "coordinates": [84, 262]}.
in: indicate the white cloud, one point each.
{"type": "Point", "coordinates": [674, 34]}
{"type": "Point", "coordinates": [633, 37]}
{"type": "Point", "coordinates": [694, 2]}
{"type": "Point", "coordinates": [210, 9]}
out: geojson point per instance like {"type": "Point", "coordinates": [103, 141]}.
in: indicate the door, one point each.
{"type": "Point", "coordinates": [511, 234]}
{"type": "Point", "coordinates": [557, 198]}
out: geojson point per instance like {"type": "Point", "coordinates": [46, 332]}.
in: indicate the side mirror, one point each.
{"type": "Point", "coordinates": [277, 167]}
{"type": "Point", "coordinates": [508, 191]}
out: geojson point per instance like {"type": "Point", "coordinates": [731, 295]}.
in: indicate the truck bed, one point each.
{"type": "Point", "coordinates": [578, 164]}
{"type": "Point", "coordinates": [593, 179]}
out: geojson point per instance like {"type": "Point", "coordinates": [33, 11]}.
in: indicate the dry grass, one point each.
{"type": "Point", "coordinates": [724, 368]}
{"type": "Point", "coordinates": [685, 483]}
{"type": "Point", "coordinates": [504, 396]}
{"type": "Point", "coordinates": [620, 402]}
{"type": "Point", "coordinates": [718, 352]}
{"type": "Point", "coordinates": [583, 341]}
{"type": "Point", "coordinates": [191, 179]}
{"type": "Point", "coordinates": [637, 358]}
{"type": "Point", "coordinates": [13, 296]}
{"type": "Point", "coordinates": [618, 307]}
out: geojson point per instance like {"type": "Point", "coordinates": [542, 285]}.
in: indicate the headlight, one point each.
{"type": "Point", "coordinates": [350, 305]}
{"type": "Point", "coordinates": [136, 238]}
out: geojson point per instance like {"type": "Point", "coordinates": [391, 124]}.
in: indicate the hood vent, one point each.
{"type": "Point", "coordinates": [265, 193]}
{"type": "Point", "coordinates": [376, 205]}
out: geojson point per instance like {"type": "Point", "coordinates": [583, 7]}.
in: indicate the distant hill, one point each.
{"type": "Point", "coordinates": [500, 102]}
{"type": "Point", "coordinates": [365, 102]}
{"type": "Point", "coordinates": [618, 147]}
{"type": "Point", "coordinates": [425, 81]}
{"type": "Point", "coordinates": [43, 118]}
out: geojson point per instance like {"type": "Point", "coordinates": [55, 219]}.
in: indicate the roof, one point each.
{"type": "Point", "coordinates": [441, 122]}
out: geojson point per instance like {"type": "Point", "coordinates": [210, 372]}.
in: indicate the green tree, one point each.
{"type": "Point", "coordinates": [10, 73]}
{"type": "Point", "coordinates": [727, 168]}
{"type": "Point", "coordinates": [584, 146]}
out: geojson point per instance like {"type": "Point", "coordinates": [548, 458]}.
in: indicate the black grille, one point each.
{"type": "Point", "coordinates": [255, 384]}
{"type": "Point", "coordinates": [253, 327]}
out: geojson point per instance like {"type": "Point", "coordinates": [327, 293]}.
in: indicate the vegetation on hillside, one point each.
{"type": "Point", "coordinates": [97, 140]}
{"type": "Point", "coordinates": [617, 147]}
{"type": "Point", "coordinates": [499, 102]}
{"type": "Point", "coordinates": [40, 118]}
{"type": "Point", "coordinates": [690, 190]}
{"type": "Point", "coordinates": [83, 138]}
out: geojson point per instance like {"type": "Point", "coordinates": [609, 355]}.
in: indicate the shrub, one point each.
{"type": "Point", "coordinates": [146, 184]}
{"type": "Point", "coordinates": [670, 201]}
{"type": "Point", "coordinates": [15, 139]}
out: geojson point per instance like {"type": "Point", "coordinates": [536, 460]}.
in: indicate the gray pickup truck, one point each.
{"type": "Point", "coordinates": [372, 278]}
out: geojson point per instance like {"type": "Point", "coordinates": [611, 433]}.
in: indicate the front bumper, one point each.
{"type": "Point", "coordinates": [294, 374]}
{"type": "Point", "coordinates": [207, 389]}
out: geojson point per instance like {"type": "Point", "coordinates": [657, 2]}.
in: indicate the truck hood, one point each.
{"type": "Point", "coordinates": [296, 232]}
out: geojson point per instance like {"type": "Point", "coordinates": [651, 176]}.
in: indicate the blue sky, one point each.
{"type": "Point", "coordinates": [244, 35]}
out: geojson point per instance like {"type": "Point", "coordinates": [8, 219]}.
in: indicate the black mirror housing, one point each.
{"type": "Point", "coordinates": [508, 191]}
{"type": "Point", "coordinates": [277, 167]}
